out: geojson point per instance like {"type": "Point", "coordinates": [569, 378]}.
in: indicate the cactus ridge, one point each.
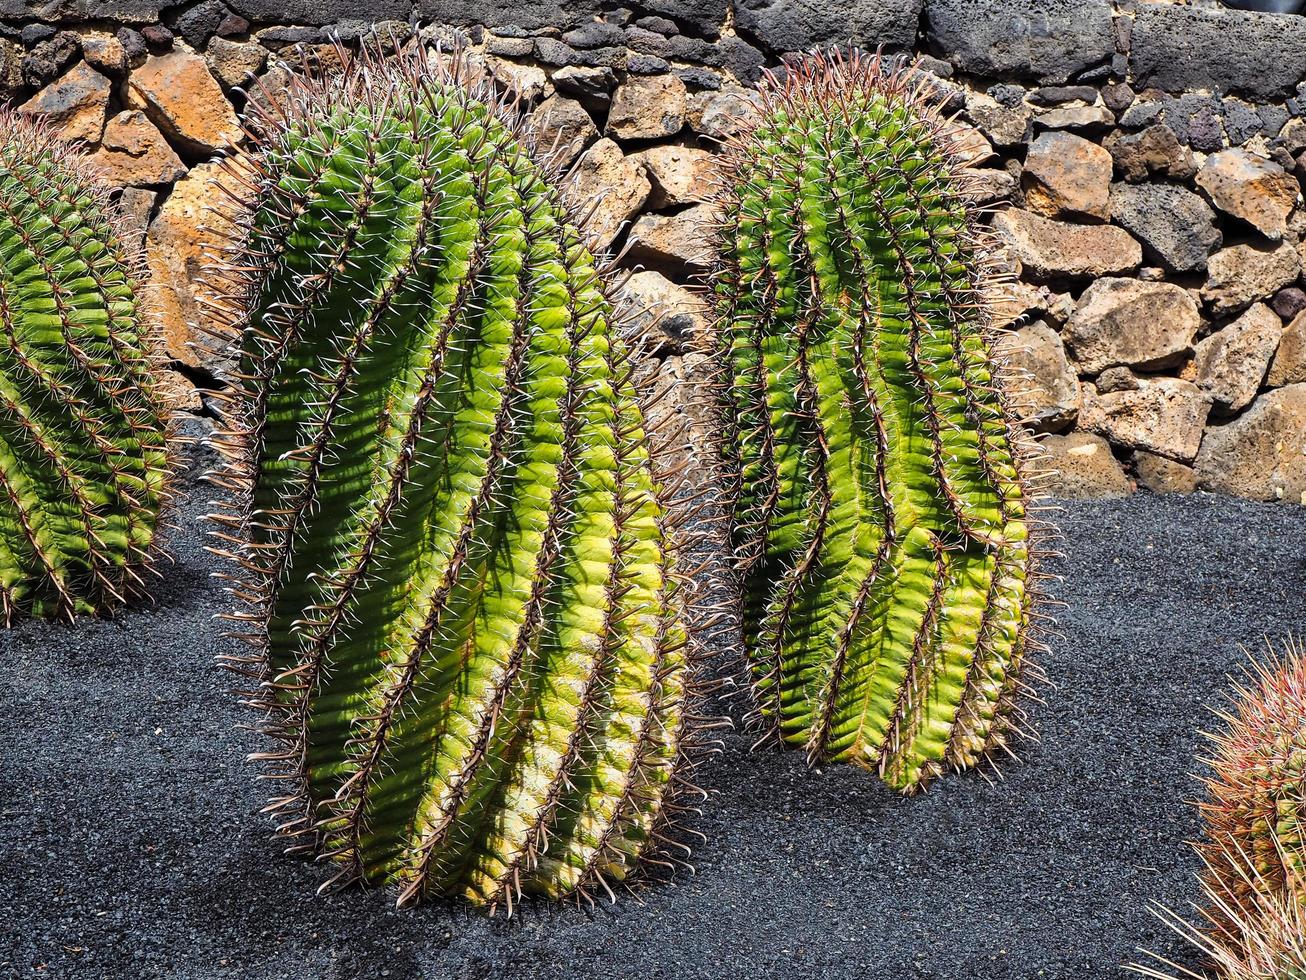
{"type": "Point", "coordinates": [84, 442]}
{"type": "Point", "coordinates": [881, 503]}
{"type": "Point", "coordinates": [460, 564]}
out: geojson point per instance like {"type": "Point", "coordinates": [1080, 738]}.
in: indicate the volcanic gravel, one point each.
{"type": "Point", "coordinates": [130, 845]}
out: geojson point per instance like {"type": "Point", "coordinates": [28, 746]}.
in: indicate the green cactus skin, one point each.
{"type": "Point", "coordinates": [83, 433]}
{"type": "Point", "coordinates": [880, 511]}
{"type": "Point", "coordinates": [462, 567]}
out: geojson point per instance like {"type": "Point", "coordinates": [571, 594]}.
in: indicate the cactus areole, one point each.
{"type": "Point", "coordinates": [463, 586]}
{"type": "Point", "coordinates": [83, 442]}
{"type": "Point", "coordinates": [880, 513]}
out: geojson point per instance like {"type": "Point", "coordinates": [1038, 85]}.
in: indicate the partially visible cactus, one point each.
{"type": "Point", "coordinates": [83, 431]}
{"type": "Point", "coordinates": [460, 560]}
{"type": "Point", "coordinates": [881, 511]}
{"type": "Point", "coordinates": [1254, 846]}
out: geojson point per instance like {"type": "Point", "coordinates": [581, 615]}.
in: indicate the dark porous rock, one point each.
{"type": "Point", "coordinates": [593, 86]}
{"type": "Point", "coordinates": [157, 38]}
{"type": "Point", "coordinates": [283, 36]}
{"type": "Point", "coordinates": [133, 45]}
{"type": "Point", "coordinates": [699, 79]}
{"type": "Point", "coordinates": [200, 22]}
{"type": "Point", "coordinates": [596, 34]}
{"type": "Point", "coordinates": [318, 13]}
{"type": "Point", "coordinates": [1049, 41]}
{"type": "Point", "coordinates": [11, 70]}
{"type": "Point", "coordinates": [1232, 51]}
{"type": "Point", "coordinates": [1176, 226]}
{"type": "Point", "coordinates": [1156, 150]}
{"type": "Point", "coordinates": [554, 53]}
{"type": "Point", "coordinates": [659, 25]}
{"type": "Point", "coordinates": [1006, 95]}
{"type": "Point", "coordinates": [1241, 121]}
{"type": "Point", "coordinates": [621, 16]}
{"type": "Point", "coordinates": [1118, 96]}
{"type": "Point", "coordinates": [686, 48]}
{"type": "Point", "coordinates": [651, 42]}
{"type": "Point", "coordinates": [781, 25]}
{"type": "Point", "coordinates": [510, 47]}
{"type": "Point", "coordinates": [1054, 95]}
{"type": "Point", "coordinates": [388, 32]}
{"type": "Point", "coordinates": [646, 64]}
{"type": "Point", "coordinates": [741, 59]}
{"type": "Point", "coordinates": [34, 34]}
{"type": "Point", "coordinates": [702, 17]}
{"type": "Point", "coordinates": [48, 59]}
{"type": "Point", "coordinates": [1273, 118]}
{"type": "Point", "coordinates": [233, 26]}
{"type": "Point", "coordinates": [1287, 303]}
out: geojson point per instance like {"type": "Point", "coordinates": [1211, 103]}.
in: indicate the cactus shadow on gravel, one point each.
{"type": "Point", "coordinates": [130, 846]}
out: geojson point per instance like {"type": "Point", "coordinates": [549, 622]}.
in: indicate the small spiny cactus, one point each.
{"type": "Point", "coordinates": [83, 430]}
{"type": "Point", "coordinates": [1254, 850]}
{"type": "Point", "coordinates": [461, 565]}
{"type": "Point", "coordinates": [880, 507]}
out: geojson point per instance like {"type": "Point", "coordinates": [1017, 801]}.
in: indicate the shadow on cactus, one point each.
{"type": "Point", "coordinates": [1254, 847]}
{"type": "Point", "coordinates": [83, 429]}
{"type": "Point", "coordinates": [881, 511]}
{"type": "Point", "coordinates": [460, 563]}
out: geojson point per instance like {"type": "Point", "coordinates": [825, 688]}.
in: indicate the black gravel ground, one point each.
{"type": "Point", "coordinates": [129, 845]}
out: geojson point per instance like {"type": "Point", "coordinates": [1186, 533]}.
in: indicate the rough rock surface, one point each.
{"type": "Point", "coordinates": [1231, 363]}
{"type": "Point", "coordinates": [1241, 274]}
{"type": "Point", "coordinates": [1176, 227]}
{"type": "Point", "coordinates": [680, 242]}
{"type": "Point", "coordinates": [1081, 465]}
{"type": "Point", "coordinates": [133, 151]}
{"type": "Point", "coordinates": [1289, 366]}
{"type": "Point", "coordinates": [646, 107]}
{"type": "Point", "coordinates": [663, 308]}
{"type": "Point", "coordinates": [1262, 453]}
{"type": "Point", "coordinates": [1148, 325]}
{"type": "Point", "coordinates": [563, 128]}
{"type": "Point", "coordinates": [1163, 415]}
{"type": "Point", "coordinates": [618, 183]}
{"type": "Point", "coordinates": [1049, 250]}
{"type": "Point", "coordinates": [1161, 475]}
{"type": "Point", "coordinates": [679, 174]}
{"type": "Point", "coordinates": [176, 253]}
{"type": "Point", "coordinates": [184, 100]}
{"type": "Point", "coordinates": [796, 25]}
{"type": "Point", "coordinates": [1156, 150]}
{"type": "Point", "coordinates": [1042, 40]}
{"type": "Point", "coordinates": [75, 105]}
{"type": "Point", "coordinates": [1043, 385]}
{"type": "Point", "coordinates": [1251, 188]}
{"type": "Point", "coordinates": [1177, 48]}
{"type": "Point", "coordinates": [1066, 176]}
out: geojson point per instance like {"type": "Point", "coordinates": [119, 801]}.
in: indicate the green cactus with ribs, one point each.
{"type": "Point", "coordinates": [880, 511]}
{"type": "Point", "coordinates": [83, 429]}
{"type": "Point", "coordinates": [459, 561]}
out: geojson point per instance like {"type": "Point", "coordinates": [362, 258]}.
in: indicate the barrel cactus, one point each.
{"type": "Point", "coordinates": [880, 510]}
{"type": "Point", "coordinates": [1254, 846]}
{"type": "Point", "coordinates": [83, 431]}
{"type": "Point", "coordinates": [460, 561]}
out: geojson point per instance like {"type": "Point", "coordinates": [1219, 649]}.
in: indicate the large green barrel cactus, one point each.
{"type": "Point", "coordinates": [83, 442]}
{"type": "Point", "coordinates": [880, 513]}
{"type": "Point", "coordinates": [461, 564]}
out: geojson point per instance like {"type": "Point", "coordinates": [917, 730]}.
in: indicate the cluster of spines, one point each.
{"type": "Point", "coordinates": [1254, 844]}
{"type": "Point", "coordinates": [881, 502]}
{"type": "Point", "coordinates": [461, 569]}
{"type": "Point", "coordinates": [83, 429]}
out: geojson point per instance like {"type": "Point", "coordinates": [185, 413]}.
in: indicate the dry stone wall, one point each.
{"type": "Point", "coordinates": [1143, 161]}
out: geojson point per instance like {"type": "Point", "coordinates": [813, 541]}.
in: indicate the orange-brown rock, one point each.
{"type": "Point", "coordinates": [184, 100]}
{"type": "Point", "coordinates": [133, 151]}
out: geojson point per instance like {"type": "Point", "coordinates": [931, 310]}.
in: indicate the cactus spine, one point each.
{"type": "Point", "coordinates": [880, 512]}
{"type": "Point", "coordinates": [83, 441]}
{"type": "Point", "coordinates": [1254, 846]}
{"type": "Point", "coordinates": [467, 608]}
